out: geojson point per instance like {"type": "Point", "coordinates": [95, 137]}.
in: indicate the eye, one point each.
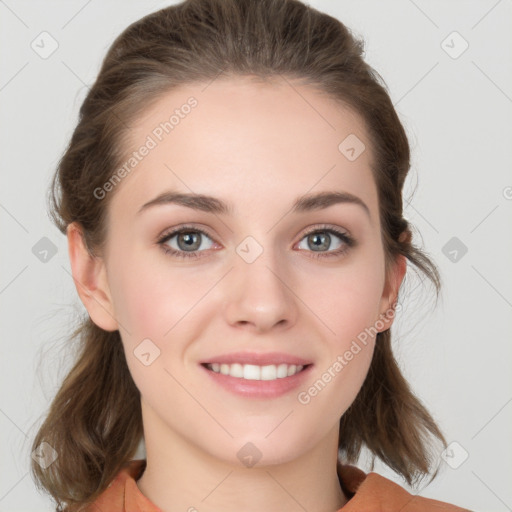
{"type": "Point", "coordinates": [189, 242]}
{"type": "Point", "coordinates": [321, 241]}
{"type": "Point", "coordinates": [185, 242]}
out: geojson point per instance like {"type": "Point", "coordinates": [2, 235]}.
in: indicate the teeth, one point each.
{"type": "Point", "coordinates": [254, 372]}
{"type": "Point", "coordinates": [249, 372]}
{"type": "Point", "coordinates": [237, 370]}
{"type": "Point", "coordinates": [268, 372]}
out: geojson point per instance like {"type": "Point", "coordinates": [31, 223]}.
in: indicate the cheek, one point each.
{"type": "Point", "coordinates": [150, 299]}
{"type": "Point", "coordinates": [347, 302]}
{"type": "Point", "coordinates": [347, 299]}
{"type": "Point", "coordinates": [347, 352]}
{"type": "Point", "coordinates": [161, 304]}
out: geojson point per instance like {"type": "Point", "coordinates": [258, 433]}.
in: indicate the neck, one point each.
{"type": "Point", "coordinates": [181, 476]}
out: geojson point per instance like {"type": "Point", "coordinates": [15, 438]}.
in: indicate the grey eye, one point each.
{"type": "Point", "coordinates": [320, 241]}
{"type": "Point", "coordinates": [188, 241]}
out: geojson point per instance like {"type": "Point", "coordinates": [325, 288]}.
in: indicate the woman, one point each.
{"type": "Point", "coordinates": [232, 202]}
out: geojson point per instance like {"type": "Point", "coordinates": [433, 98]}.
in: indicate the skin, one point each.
{"type": "Point", "coordinates": [258, 146]}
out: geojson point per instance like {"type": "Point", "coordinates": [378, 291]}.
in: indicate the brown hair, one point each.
{"type": "Point", "coordinates": [94, 422]}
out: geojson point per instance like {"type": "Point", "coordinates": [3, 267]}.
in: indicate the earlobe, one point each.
{"type": "Point", "coordinates": [89, 275]}
{"type": "Point", "coordinates": [390, 294]}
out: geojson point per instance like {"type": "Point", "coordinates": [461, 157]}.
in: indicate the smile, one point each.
{"type": "Point", "coordinates": [255, 372]}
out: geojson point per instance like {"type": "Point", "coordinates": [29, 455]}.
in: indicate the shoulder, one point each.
{"type": "Point", "coordinates": [372, 492]}
{"type": "Point", "coordinates": [367, 493]}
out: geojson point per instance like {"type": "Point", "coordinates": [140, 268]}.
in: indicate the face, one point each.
{"type": "Point", "coordinates": [247, 316]}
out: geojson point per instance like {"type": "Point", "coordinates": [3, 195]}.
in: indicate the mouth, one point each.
{"type": "Point", "coordinates": [255, 372]}
{"type": "Point", "coordinates": [258, 375]}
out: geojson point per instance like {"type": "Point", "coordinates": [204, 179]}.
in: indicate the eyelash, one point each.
{"type": "Point", "coordinates": [348, 241]}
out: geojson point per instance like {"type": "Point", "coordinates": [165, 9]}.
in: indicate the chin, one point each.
{"type": "Point", "coordinates": [259, 449]}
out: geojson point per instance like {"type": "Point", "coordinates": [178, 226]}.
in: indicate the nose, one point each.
{"type": "Point", "coordinates": [260, 296]}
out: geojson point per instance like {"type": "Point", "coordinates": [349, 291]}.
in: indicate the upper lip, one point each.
{"type": "Point", "coordinates": [257, 359]}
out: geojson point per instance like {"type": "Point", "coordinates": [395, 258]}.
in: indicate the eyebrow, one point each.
{"type": "Point", "coordinates": [209, 204]}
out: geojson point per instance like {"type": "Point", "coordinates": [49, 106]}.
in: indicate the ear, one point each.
{"type": "Point", "coordinates": [89, 275]}
{"type": "Point", "coordinates": [396, 274]}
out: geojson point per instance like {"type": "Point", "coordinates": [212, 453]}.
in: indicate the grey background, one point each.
{"type": "Point", "coordinates": [457, 112]}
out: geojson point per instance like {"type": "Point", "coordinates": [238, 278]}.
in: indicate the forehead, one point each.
{"type": "Point", "coordinates": [244, 141]}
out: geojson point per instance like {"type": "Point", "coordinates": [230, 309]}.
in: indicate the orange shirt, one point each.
{"type": "Point", "coordinates": [367, 493]}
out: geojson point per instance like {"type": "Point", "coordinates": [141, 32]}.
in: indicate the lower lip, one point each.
{"type": "Point", "coordinates": [259, 388]}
